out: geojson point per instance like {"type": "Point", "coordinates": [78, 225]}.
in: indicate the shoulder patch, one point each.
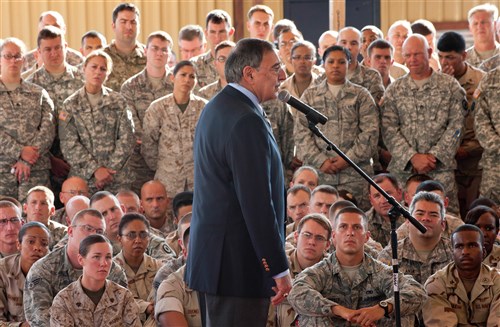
{"type": "Point", "coordinates": [32, 283]}
{"type": "Point", "coordinates": [63, 115]}
{"type": "Point", "coordinates": [167, 249]}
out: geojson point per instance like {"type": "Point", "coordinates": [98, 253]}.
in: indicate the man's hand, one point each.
{"type": "Point", "coordinates": [448, 70]}
{"type": "Point", "coordinates": [368, 316]}
{"type": "Point", "coordinates": [423, 162]}
{"type": "Point", "coordinates": [338, 164]}
{"type": "Point", "coordinates": [103, 176]}
{"type": "Point", "coordinates": [343, 312]}
{"type": "Point", "coordinates": [282, 288]}
{"type": "Point", "coordinates": [22, 171]}
{"type": "Point", "coordinates": [296, 163]}
{"type": "Point", "coordinates": [30, 154]}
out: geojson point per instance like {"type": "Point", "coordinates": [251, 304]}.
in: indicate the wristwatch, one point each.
{"type": "Point", "coordinates": [384, 305]}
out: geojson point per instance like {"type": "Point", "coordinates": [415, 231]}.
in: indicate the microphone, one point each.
{"type": "Point", "coordinates": [312, 114]}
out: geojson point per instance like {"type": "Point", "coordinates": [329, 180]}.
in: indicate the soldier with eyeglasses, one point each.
{"type": "Point", "coordinates": [10, 224]}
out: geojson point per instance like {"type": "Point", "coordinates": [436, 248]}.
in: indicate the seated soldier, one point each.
{"type": "Point", "coordinates": [322, 198]}
{"type": "Point", "coordinates": [181, 205]}
{"type": "Point", "coordinates": [10, 224]}
{"type": "Point", "coordinates": [71, 187]}
{"type": "Point", "coordinates": [130, 201]}
{"type": "Point", "coordinates": [298, 198]}
{"type": "Point", "coordinates": [466, 292]}
{"type": "Point", "coordinates": [349, 287]}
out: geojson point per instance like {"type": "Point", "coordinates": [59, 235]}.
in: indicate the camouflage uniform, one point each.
{"type": "Point", "coordinates": [57, 232]}
{"type": "Point", "coordinates": [397, 70]}
{"type": "Point", "coordinates": [410, 262]}
{"type": "Point", "coordinates": [380, 228]}
{"type": "Point", "coordinates": [353, 126]}
{"type": "Point", "coordinates": [116, 308]}
{"type": "Point", "coordinates": [167, 141]}
{"type": "Point", "coordinates": [139, 93]}
{"type": "Point", "coordinates": [60, 216]}
{"type": "Point", "coordinates": [290, 86]}
{"type": "Point", "coordinates": [97, 137]}
{"type": "Point", "coordinates": [140, 282]}
{"type": "Point", "coordinates": [449, 304]}
{"type": "Point", "coordinates": [487, 126]}
{"type": "Point", "coordinates": [424, 120]}
{"type": "Point", "coordinates": [73, 57]}
{"type": "Point", "coordinates": [325, 284]}
{"type": "Point", "coordinates": [451, 223]}
{"type": "Point", "coordinates": [26, 119]}
{"type": "Point", "coordinates": [47, 277]}
{"type": "Point", "coordinates": [473, 57]}
{"type": "Point", "coordinates": [11, 291]}
{"type": "Point", "coordinates": [124, 66]}
{"type": "Point", "coordinates": [165, 271]}
{"type": "Point", "coordinates": [175, 295]}
{"type": "Point", "coordinates": [490, 64]}
{"type": "Point", "coordinates": [493, 259]}
{"type": "Point", "coordinates": [205, 69]}
{"type": "Point", "coordinates": [209, 91]}
{"type": "Point", "coordinates": [172, 240]}
{"type": "Point", "coordinates": [157, 249]}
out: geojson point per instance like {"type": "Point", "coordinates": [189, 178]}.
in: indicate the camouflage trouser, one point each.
{"type": "Point", "coordinates": [140, 171]}
{"type": "Point", "coordinates": [359, 190]}
{"type": "Point", "coordinates": [9, 186]}
{"type": "Point", "coordinates": [490, 184]}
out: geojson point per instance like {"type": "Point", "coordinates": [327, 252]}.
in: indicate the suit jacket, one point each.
{"type": "Point", "coordinates": [237, 231]}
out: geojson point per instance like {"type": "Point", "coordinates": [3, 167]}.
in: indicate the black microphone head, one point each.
{"type": "Point", "coordinates": [284, 96]}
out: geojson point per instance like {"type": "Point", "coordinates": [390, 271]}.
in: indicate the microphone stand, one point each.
{"type": "Point", "coordinates": [396, 210]}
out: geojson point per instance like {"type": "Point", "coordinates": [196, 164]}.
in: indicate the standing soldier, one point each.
{"type": "Point", "coordinates": [482, 20]}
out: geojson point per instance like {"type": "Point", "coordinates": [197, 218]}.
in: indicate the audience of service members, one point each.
{"type": "Point", "coordinates": [97, 167]}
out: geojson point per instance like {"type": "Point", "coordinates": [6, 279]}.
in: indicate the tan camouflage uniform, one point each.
{"type": "Point", "coordinates": [209, 91]}
{"type": "Point", "coordinates": [169, 267]}
{"type": "Point", "coordinates": [451, 223]}
{"type": "Point", "coordinates": [124, 66]}
{"type": "Point", "coordinates": [167, 141]}
{"type": "Point", "coordinates": [493, 259]}
{"type": "Point", "coordinates": [448, 303]}
{"type": "Point", "coordinates": [490, 64]}
{"type": "Point", "coordinates": [26, 119]}
{"type": "Point", "coordinates": [139, 93]}
{"type": "Point", "coordinates": [205, 69]}
{"type": "Point", "coordinates": [116, 308]}
{"type": "Point", "coordinates": [397, 70]}
{"type": "Point", "coordinates": [175, 295]}
{"type": "Point", "coordinates": [324, 285]}
{"type": "Point", "coordinates": [47, 277]}
{"type": "Point", "coordinates": [172, 240]}
{"type": "Point", "coordinates": [353, 126]}
{"type": "Point", "coordinates": [290, 86]}
{"type": "Point", "coordinates": [97, 137]}
{"type": "Point", "coordinates": [487, 127]}
{"type": "Point", "coordinates": [57, 232]}
{"type": "Point", "coordinates": [11, 291]}
{"type": "Point", "coordinates": [157, 249]}
{"type": "Point", "coordinates": [380, 228]}
{"type": "Point", "coordinates": [473, 57]}
{"type": "Point", "coordinates": [430, 120]}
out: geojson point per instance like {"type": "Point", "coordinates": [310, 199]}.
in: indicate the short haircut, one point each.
{"type": "Point", "coordinates": [81, 214]}
{"type": "Point", "coordinates": [346, 52]}
{"type": "Point", "coordinates": [298, 187]}
{"type": "Point", "coordinates": [248, 52]}
{"type": "Point", "coordinates": [406, 24]}
{"type": "Point", "coordinates": [348, 196]}
{"type": "Point", "coordinates": [379, 44]}
{"type": "Point", "coordinates": [95, 35]}
{"type": "Point", "coordinates": [42, 189]}
{"type": "Point", "coordinates": [186, 219]}
{"type": "Point", "coordinates": [482, 201]}
{"type": "Point", "coordinates": [185, 236]}
{"type": "Point", "coordinates": [223, 45]}
{"type": "Point", "coordinates": [30, 225]}
{"type": "Point", "coordinates": [418, 178]}
{"type": "Point", "coordinates": [465, 228]}
{"type": "Point", "coordinates": [162, 35]}
{"type": "Point", "coordinates": [350, 28]}
{"type": "Point", "coordinates": [218, 16]}
{"type": "Point", "coordinates": [474, 214]}
{"type": "Point", "coordinates": [324, 188]}
{"type": "Point", "coordinates": [487, 7]}
{"type": "Point", "coordinates": [13, 200]}
{"type": "Point", "coordinates": [301, 169]}
{"type": "Point", "coordinates": [127, 192]}
{"type": "Point", "coordinates": [180, 200]}
{"type": "Point", "coordinates": [423, 27]}
{"type": "Point", "coordinates": [262, 8]}
{"type": "Point", "coordinates": [364, 219]}
{"type": "Point", "coordinates": [378, 32]}
{"type": "Point", "coordinates": [125, 6]}
{"type": "Point", "coordinates": [101, 195]}
{"type": "Point", "coordinates": [386, 177]}
{"type": "Point", "coordinates": [282, 24]}
{"type": "Point", "coordinates": [191, 32]}
{"type": "Point", "coordinates": [90, 240]}
{"type": "Point", "coordinates": [15, 41]}
{"type": "Point", "coordinates": [183, 63]}
{"type": "Point", "coordinates": [296, 33]}
{"type": "Point", "coordinates": [451, 41]}
{"type": "Point", "coordinates": [428, 197]}
{"type": "Point", "coordinates": [130, 217]}
{"type": "Point", "coordinates": [305, 44]}
{"type": "Point", "coordinates": [333, 34]}
{"type": "Point", "coordinates": [9, 204]}
{"type": "Point", "coordinates": [430, 186]}
{"type": "Point", "coordinates": [49, 33]}
{"type": "Point", "coordinates": [337, 206]}
{"type": "Point", "coordinates": [318, 218]}
{"type": "Point", "coordinates": [102, 54]}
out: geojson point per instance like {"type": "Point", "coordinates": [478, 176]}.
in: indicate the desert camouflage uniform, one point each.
{"type": "Point", "coordinates": [209, 91]}
{"type": "Point", "coordinates": [473, 57]}
{"type": "Point", "coordinates": [57, 232]}
{"type": "Point", "coordinates": [353, 126]}
{"type": "Point", "coordinates": [410, 262]}
{"type": "Point", "coordinates": [157, 249]}
{"type": "Point", "coordinates": [449, 304]}
{"type": "Point", "coordinates": [124, 66]}
{"type": "Point", "coordinates": [26, 119]}
{"type": "Point", "coordinates": [60, 216]}
{"type": "Point", "coordinates": [175, 295]}
{"type": "Point", "coordinates": [73, 57]}
{"type": "Point", "coordinates": [205, 69]}
{"type": "Point", "coordinates": [397, 70]}
{"type": "Point", "coordinates": [380, 228]}
{"type": "Point", "coordinates": [116, 308]}
{"type": "Point", "coordinates": [429, 120]}
{"type": "Point", "coordinates": [493, 259]}
{"type": "Point", "coordinates": [325, 284]}
{"type": "Point", "coordinates": [172, 240]}
{"type": "Point", "coordinates": [487, 127]}
{"type": "Point", "coordinates": [11, 291]}
{"type": "Point", "coordinates": [169, 267]}
{"type": "Point", "coordinates": [451, 223]}
{"type": "Point", "coordinates": [167, 141]}
{"type": "Point", "coordinates": [490, 64]}
{"type": "Point", "coordinates": [47, 277]}
{"type": "Point", "coordinates": [290, 86]}
{"type": "Point", "coordinates": [97, 137]}
{"type": "Point", "coordinates": [140, 282]}
{"type": "Point", "coordinates": [139, 93]}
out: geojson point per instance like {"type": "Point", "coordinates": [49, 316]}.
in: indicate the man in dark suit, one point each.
{"type": "Point", "coordinates": [236, 255]}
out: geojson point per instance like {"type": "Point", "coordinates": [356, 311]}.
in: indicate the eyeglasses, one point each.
{"type": "Point", "coordinates": [306, 58]}
{"type": "Point", "coordinates": [287, 43]}
{"type": "Point", "coordinates": [76, 192]}
{"type": "Point", "coordinates": [9, 56]}
{"type": "Point", "coordinates": [154, 48]}
{"type": "Point", "coordinates": [91, 230]}
{"type": "Point", "coordinates": [221, 59]}
{"type": "Point", "coordinates": [13, 221]}
{"type": "Point", "coordinates": [133, 235]}
{"type": "Point", "coordinates": [317, 238]}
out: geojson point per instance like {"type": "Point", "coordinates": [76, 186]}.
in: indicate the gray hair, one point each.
{"type": "Point", "coordinates": [429, 197]}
